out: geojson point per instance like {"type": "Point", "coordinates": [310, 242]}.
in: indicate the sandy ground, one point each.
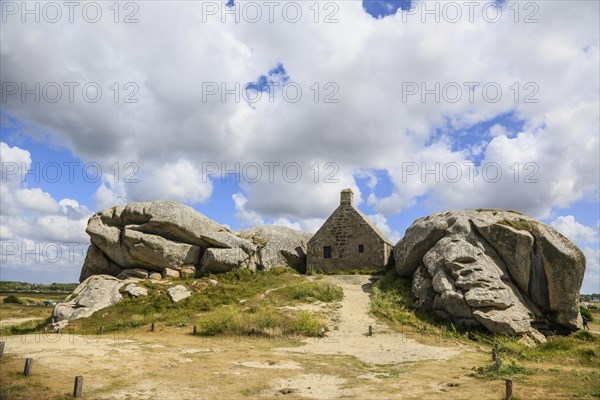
{"type": "Point", "coordinates": [351, 337]}
{"type": "Point", "coordinates": [172, 364]}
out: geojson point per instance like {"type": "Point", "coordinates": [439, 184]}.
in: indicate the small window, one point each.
{"type": "Point", "coordinates": [361, 248]}
{"type": "Point", "coordinates": [327, 251]}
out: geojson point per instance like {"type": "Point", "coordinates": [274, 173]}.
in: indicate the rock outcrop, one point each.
{"type": "Point", "coordinates": [279, 246]}
{"type": "Point", "coordinates": [499, 269]}
{"type": "Point", "coordinates": [93, 294]}
{"type": "Point", "coordinates": [143, 240]}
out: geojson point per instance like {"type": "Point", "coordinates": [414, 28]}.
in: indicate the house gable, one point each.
{"type": "Point", "coordinates": [347, 240]}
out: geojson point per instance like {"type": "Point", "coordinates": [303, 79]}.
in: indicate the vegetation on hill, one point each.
{"type": "Point", "coordinates": [15, 287]}
{"type": "Point", "coordinates": [392, 301]}
{"type": "Point", "coordinates": [241, 302]}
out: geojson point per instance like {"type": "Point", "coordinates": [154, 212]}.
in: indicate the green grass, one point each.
{"type": "Point", "coordinates": [518, 224]}
{"type": "Point", "coordinates": [579, 348]}
{"type": "Point", "coordinates": [237, 304]}
{"type": "Point", "coordinates": [510, 368]}
{"type": "Point", "coordinates": [392, 301]}
{"type": "Point", "coordinates": [586, 313]}
{"type": "Point", "coordinates": [321, 291]}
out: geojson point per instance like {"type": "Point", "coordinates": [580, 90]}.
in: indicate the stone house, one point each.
{"type": "Point", "coordinates": [348, 240]}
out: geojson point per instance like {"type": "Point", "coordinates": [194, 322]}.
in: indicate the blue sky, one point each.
{"type": "Point", "coordinates": [356, 121]}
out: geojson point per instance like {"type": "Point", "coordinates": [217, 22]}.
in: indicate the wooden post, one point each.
{"type": "Point", "coordinates": [78, 389]}
{"type": "Point", "coordinates": [1, 349]}
{"type": "Point", "coordinates": [370, 330]}
{"type": "Point", "coordinates": [152, 327]}
{"type": "Point", "coordinates": [494, 353]}
{"type": "Point", "coordinates": [509, 387]}
{"type": "Point", "coordinates": [498, 364]}
{"type": "Point", "coordinates": [195, 330]}
{"type": "Point", "coordinates": [101, 330]}
{"type": "Point", "coordinates": [27, 370]}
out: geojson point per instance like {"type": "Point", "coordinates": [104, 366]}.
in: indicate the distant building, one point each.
{"type": "Point", "coordinates": [348, 240]}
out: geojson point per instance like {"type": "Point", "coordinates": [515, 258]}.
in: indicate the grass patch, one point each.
{"type": "Point", "coordinates": [586, 313]}
{"type": "Point", "coordinates": [235, 305]}
{"type": "Point", "coordinates": [391, 300]}
{"type": "Point", "coordinates": [511, 368]}
{"type": "Point", "coordinates": [264, 320]}
{"type": "Point", "coordinates": [321, 291]}
{"type": "Point", "coordinates": [518, 224]}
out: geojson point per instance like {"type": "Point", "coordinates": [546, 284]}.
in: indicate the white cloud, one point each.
{"type": "Point", "coordinates": [371, 127]}
{"type": "Point", "coordinates": [381, 223]}
{"type": "Point", "coordinates": [498, 130]}
{"type": "Point", "coordinates": [591, 282]}
{"type": "Point", "coordinates": [251, 219]}
{"type": "Point", "coordinates": [245, 217]}
{"type": "Point", "coordinates": [36, 200]}
{"type": "Point", "coordinates": [179, 180]}
{"type": "Point", "coordinates": [38, 233]}
{"type": "Point", "coordinates": [574, 230]}
{"type": "Point", "coordinates": [172, 130]}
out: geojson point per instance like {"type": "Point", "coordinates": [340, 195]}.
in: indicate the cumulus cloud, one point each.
{"type": "Point", "coordinates": [37, 232]}
{"type": "Point", "coordinates": [577, 232]}
{"type": "Point", "coordinates": [358, 112]}
{"type": "Point", "coordinates": [381, 223]}
{"type": "Point", "coordinates": [251, 218]}
{"type": "Point", "coordinates": [175, 126]}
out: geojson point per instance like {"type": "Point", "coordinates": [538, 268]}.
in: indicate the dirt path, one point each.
{"type": "Point", "coordinates": [165, 364]}
{"type": "Point", "coordinates": [351, 337]}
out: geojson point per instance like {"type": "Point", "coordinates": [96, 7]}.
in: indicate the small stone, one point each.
{"type": "Point", "coordinates": [178, 293]}
{"type": "Point", "coordinates": [170, 273]}
{"type": "Point", "coordinates": [136, 291]}
{"type": "Point", "coordinates": [155, 276]}
{"type": "Point", "coordinates": [136, 273]}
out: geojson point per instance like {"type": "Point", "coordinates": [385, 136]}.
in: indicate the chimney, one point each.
{"type": "Point", "coordinates": [347, 197]}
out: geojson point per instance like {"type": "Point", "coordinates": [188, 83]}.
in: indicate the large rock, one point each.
{"type": "Point", "coordinates": [95, 293]}
{"type": "Point", "coordinates": [223, 260]}
{"type": "Point", "coordinates": [499, 269]}
{"type": "Point", "coordinates": [278, 246]}
{"type": "Point", "coordinates": [154, 236]}
{"type": "Point", "coordinates": [96, 263]}
{"type": "Point", "coordinates": [174, 240]}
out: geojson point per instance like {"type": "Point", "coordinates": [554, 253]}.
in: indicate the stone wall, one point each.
{"type": "Point", "coordinates": [344, 231]}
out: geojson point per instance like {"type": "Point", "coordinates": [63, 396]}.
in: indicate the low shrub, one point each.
{"type": "Point", "coordinates": [12, 299]}
{"type": "Point", "coordinates": [325, 292]}
{"type": "Point", "coordinates": [510, 368]}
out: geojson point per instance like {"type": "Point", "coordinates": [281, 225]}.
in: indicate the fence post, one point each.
{"type": "Point", "coordinates": [195, 330]}
{"type": "Point", "coordinates": [370, 330]}
{"type": "Point", "coordinates": [1, 349]}
{"type": "Point", "coordinates": [27, 370]}
{"type": "Point", "coordinates": [494, 352]}
{"type": "Point", "coordinates": [101, 329]}
{"type": "Point", "coordinates": [509, 389]}
{"type": "Point", "coordinates": [78, 389]}
{"type": "Point", "coordinates": [152, 327]}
